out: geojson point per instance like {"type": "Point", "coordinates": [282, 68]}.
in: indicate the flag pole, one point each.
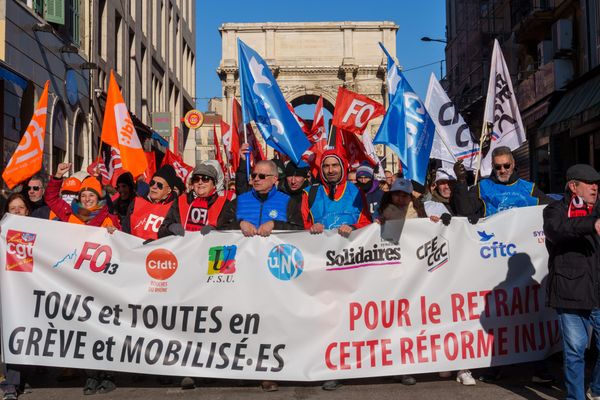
{"type": "Point", "coordinates": [446, 145]}
{"type": "Point", "coordinates": [247, 153]}
{"type": "Point", "coordinates": [329, 139]}
{"type": "Point", "coordinates": [484, 133]}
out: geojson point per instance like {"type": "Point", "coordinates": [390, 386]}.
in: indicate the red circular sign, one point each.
{"type": "Point", "coordinates": [194, 119]}
{"type": "Point", "coordinates": [161, 264]}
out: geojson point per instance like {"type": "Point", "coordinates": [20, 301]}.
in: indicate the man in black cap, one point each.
{"type": "Point", "coordinates": [199, 209]}
{"type": "Point", "coordinates": [571, 227]}
{"type": "Point", "coordinates": [297, 185]}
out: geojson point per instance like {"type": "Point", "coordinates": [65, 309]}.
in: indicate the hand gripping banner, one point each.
{"type": "Point", "coordinates": [419, 297]}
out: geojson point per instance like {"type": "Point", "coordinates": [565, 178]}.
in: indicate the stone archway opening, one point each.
{"type": "Point", "coordinates": [305, 106]}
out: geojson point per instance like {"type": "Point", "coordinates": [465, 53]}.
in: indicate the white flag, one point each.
{"type": "Point", "coordinates": [501, 109]}
{"type": "Point", "coordinates": [453, 140]}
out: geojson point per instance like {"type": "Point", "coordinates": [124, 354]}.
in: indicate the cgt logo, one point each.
{"type": "Point", "coordinates": [19, 251]}
{"type": "Point", "coordinates": [285, 262]}
{"type": "Point", "coordinates": [435, 252]}
{"type": "Point", "coordinates": [221, 264]}
{"type": "Point", "coordinates": [495, 249]}
{"type": "Point", "coordinates": [161, 264]}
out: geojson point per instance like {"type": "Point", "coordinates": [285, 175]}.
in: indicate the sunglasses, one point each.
{"type": "Point", "coordinates": [254, 175]}
{"type": "Point", "coordinates": [159, 185]}
{"type": "Point", "coordinates": [203, 178]}
{"type": "Point", "coordinates": [498, 167]}
{"type": "Point", "coordinates": [34, 188]}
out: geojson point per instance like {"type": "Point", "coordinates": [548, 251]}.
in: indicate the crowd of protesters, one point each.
{"type": "Point", "coordinates": [279, 195]}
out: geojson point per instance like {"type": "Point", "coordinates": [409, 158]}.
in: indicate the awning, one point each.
{"type": "Point", "coordinates": [575, 101]}
{"type": "Point", "coordinates": [9, 75]}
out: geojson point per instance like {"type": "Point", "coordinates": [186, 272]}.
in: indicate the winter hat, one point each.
{"type": "Point", "coordinates": [167, 172]}
{"type": "Point", "coordinates": [91, 184]}
{"type": "Point", "coordinates": [292, 169]}
{"type": "Point", "coordinates": [127, 179]}
{"type": "Point", "coordinates": [444, 175]}
{"type": "Point", "coordinates": [402, 185]}
{"type": "Point", "coordinates": [206, 170]}
{"type": "Point", "coordinates": [70, 185]}
{"type": "Point", "coordinates": [582, 172]}
{"type": "Point", "coordinates": [364, 170]}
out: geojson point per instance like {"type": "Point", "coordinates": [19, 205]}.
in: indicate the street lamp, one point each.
{"type": "Point", "coordinates": [428, 39]}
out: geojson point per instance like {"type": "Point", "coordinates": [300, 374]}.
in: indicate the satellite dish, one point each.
{"type": "Point", "coordinates": [71, 85]}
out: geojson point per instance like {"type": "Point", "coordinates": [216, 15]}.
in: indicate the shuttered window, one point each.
{"type": "Point", "coordinates": [54, 11]}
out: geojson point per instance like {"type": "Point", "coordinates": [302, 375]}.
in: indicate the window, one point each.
{"type": "Point", "coordinates": [102, 30]}
{"type": "Point", "coordinates": [118, 53]}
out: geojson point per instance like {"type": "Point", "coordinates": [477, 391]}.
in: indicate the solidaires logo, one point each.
{"type": "Point", "coordinates": [285, 262]}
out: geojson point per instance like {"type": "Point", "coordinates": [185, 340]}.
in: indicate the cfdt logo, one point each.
{"type": "Point", "coordinates": [494, 249]}
{"type": "Point", "coordinates": [221, 264]}
{"type": "Point", "coordinates": [285, 262]}
{"type": "Point", "coordinates": [435, 251]}
{"type": "Point", "coordinates": [161, 264]}
{"type": "Point", "coordinates": [19, 251]}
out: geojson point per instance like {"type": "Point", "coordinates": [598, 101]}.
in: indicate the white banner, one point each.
{"type": "Point", "coordinates": [292, 306]}
{"type": "Point", "coordinates": [453, 140]}
{"type": "Point", "coordinates": [501, 109]}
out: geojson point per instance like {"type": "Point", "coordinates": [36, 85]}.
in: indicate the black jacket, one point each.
{"type": "Point", "coordinates": [573, 246]}
{"type": "Point", "coordinates": [467, 203]}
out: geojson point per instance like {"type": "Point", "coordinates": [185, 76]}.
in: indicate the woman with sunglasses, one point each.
{"type": "Point", "coordinates": [146, 214]}
{"type": "Point", "coordinates": [88, 208]}
{"type": "Point", "coordinates": [200, 208]}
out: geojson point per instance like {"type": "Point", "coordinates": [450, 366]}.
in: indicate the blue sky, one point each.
{"type": "Point", "coordinates": [415, 19]}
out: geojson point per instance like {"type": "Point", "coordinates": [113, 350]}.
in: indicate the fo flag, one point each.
{"type": "Point", "coordinates": [408, 130]}
{"type": "Point", "coordinates": [119, 132]}
{"type": "Point", "coordinates": [353, 111]}
{"type": "Point", "coordinates": [263, 103]}
{"type": "Point", "coordinates": [27, 158]}
{"type": "Point", "coordinates": [181, 169]}
{"type": "Point", "coordinates": [453, 140]}
{"type": "Point", "coordinates": [501, 109]}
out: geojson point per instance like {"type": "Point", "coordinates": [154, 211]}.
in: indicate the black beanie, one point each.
{"type": "Point", "coordinates": [127, 179]}
{"type": "Point", "coordinates": [167, 172]}
{"type": "Point", "coordinates": [292, 169]}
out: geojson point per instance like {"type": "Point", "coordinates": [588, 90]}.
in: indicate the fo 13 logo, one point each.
{"type": "Point", "coordinates": [98, 256]}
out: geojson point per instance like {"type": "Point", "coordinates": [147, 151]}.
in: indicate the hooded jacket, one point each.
{"type": "Point", "coordinates": [338, 203]}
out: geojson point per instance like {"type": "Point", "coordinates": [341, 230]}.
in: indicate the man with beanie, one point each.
{"type": "Point", "coordinates": [146, 214]}
{"type": "Point", "coordinates": [294, 185]}
{"type": "Point", "coordinates": [571, 228]}
{"type": "Point", "coordinates": [440, 195]}
{"type": "Point", "coordinates": [336, 204]}
{"type": "Point", "coordinates": [126, 194]}
{"type": "Point", "coordinates": [370, 187]}
{"type": "Point", "coordinates": [199, 209]}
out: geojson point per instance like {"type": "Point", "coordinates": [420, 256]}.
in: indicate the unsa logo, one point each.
{"type": "Point", "coordinates": [285, 262]}
{"type": "Point", "coordinates": [161, 264]}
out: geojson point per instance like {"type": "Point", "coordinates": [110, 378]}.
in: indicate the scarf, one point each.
{"type": "Point", "coordinates": [86, 214]}
{"type": "Point", "coordinates": [578, 208]}
{"type": "Point", "coordinates": [435, 196]}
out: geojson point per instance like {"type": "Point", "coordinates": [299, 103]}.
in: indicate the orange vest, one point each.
{"type": "Point", "coordinates": [194, 218]}
{"type": "Point", "coordinates": [147, 217]}
{"type": "Point", "coordinates": [74, 220]}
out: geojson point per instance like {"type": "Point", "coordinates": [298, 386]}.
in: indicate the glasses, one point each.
{"type": "Point", "coordinates": [498, 167]}
{"type": "Point", "coordinates": [203, 178]}
{"type": "Point", "coordinates": [254, 175]}
{"type": "Point", "coordinates": [159, 185]}
{"type": "Point", "coordinates": [34, 188]}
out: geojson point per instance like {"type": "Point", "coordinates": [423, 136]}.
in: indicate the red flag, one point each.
{"type": "Point", "coordinates": [353, 111]}
{"type": "Point", "coordinates": [99, 166]}
{"type": "Point", "coordinates": [231, 143]}
{"type": "Point", "coordinates": [355, 150]}
{"type": "Point", "coordinates": [300, 121]}
{"type": "Point", "coordinates": [181, 169]}
{"type": "Point", "coordinates": [27, 158]}
{"type": "Point", "coordinates": [151, 157]}
{"type": "Point", "coordinates": [119, 132]}
{"type": "Point", "coordinates": [218, 156]}
{"type": "Point", "coordinates": [318, 138]}
{"type": "Point", "coordinates": [237, 127]}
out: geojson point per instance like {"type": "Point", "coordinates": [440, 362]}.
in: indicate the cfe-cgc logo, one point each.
{"type": "Point", "coordinates": [161, 264]}
{"type": "Point", "coordinates": [285, 262]}
{"type": "Point", "coordinates": [221, 264]}
{"type": "Point", "coordinates": [19, 251]}
{"type": "Point", "coordinates": [435, 251]}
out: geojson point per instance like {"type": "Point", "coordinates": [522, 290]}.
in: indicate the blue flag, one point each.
{"type": "Point", "coordinates": [263, 103]}
{"type": "Point", "coordinates": [408, 130]}
{"type": "Point", "coordinates": [392, 77]}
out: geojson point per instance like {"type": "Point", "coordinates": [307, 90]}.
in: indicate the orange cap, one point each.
{"type": "Point", "coordinates": [71, 185]}
{"type": "Point", "coordinates": [91, 184]}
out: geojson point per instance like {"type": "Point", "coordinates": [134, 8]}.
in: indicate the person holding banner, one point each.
{"type": "Point", "coordinates": [17, 204]}
{"type": "Point", "coordinates": [501, 191]}
{"type": "Point", "coordinates": [572, 229]}
{"type": "Point", "coordinates": [199, 209]}
{"type": "Point", "coordinates": [439, 205]}
{"type": "Point", "coordinates": [146, 214]}
{"type": "Point", "coordinates": [335, 204]}
{"type": "Point", "coordinates": [89, 208]}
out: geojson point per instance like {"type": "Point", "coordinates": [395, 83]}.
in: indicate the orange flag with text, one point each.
{"type": "Point", "coordinates": [27, 158]}
{"type": "Point", "coordinates": [119, 132]}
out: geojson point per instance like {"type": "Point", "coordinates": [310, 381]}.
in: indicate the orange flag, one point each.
{"type": "Point", "coordinates": [119, 132]}
{"type": "Point", "coordinates": [27, 158]}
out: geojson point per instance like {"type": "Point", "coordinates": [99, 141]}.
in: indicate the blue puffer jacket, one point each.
{"type": "Point", "coordinates": [252, 209]}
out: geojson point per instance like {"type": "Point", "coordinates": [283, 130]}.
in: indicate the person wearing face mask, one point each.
{"type": "Point", "coordinates": [501, 191]}
{"type": "Point", "coordinates": [370, 187]}
{"type": "Point", "coordinates": [146, 214]}
{"type": "Point", "coordinates": [88, 208]}
{"type": "Point", "coordinates": [199, 209]}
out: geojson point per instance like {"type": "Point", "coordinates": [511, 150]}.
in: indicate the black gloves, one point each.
{"type": "Point", "coordinates": [460, 171]}
{"type": "Point", "coordinates": [177, 229]}
{"type": "Point", "coordinates": [473, 219]}
{"type": "Point", "coordinates": [445, 217]}
{"type": "Point", "coordinates": [206, 229]}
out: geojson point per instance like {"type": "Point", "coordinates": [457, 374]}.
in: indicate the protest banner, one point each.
{"type": "Point", "coordinates": [409, 298]}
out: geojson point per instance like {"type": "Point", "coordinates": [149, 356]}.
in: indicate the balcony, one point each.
{"type": "Point", "coordinates": [531, 19]}
{"type": "Point", "coordinates": [549, 78]}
